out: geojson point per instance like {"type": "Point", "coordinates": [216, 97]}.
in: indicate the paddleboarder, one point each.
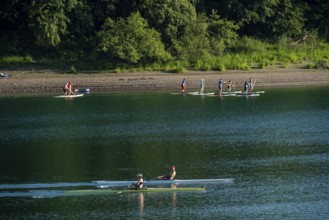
{"type": "Point", "coordinates": [65, 88]}
{"type": "Point", "coordinates": [229, 85]}
{"type": "Point", "coordinates": [245, 85]}
{"type": "Point", "coordinates": [183, 86]}
{"type": "Point", "coordinates": [250, 84]}
{"type": "Point", "coordinates": [202, 84]}
{"type": "Point", "coordinates": [220, 86]}
{"type": "Point", "coordinates": [69, 87]}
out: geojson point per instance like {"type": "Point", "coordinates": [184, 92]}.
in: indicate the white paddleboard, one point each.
{"type": "Point", "coordinates": [247, 95]}
{"type": "Point", "coordinates": [69, 96]}
{"type": "Point", "coordinates": [232, 92]}
{"type": "Point", "coordinates": [197, 93]}
{"type": "Point", "coordinates": [216, 95]}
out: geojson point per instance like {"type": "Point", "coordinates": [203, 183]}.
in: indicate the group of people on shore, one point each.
{"type": "Point", "coordinates": [140, 181]}
{"type": "Point", "coordinates": [248, 86]}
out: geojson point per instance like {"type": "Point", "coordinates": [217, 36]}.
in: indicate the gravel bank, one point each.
{"type": "Point", "coordinates": [21, 82]}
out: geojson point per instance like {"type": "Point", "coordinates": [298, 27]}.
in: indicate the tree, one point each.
{"type": "Point", "coordinates": [14, 33]}
{"type": "Point", "coordinates": [204, 37]}
{"type": "Point", "coordinates": [169, 17]}
{"type": "Point", "coordinates": [194, 43]}
{"type": "Point", "coordinates": [48, 20]}
{"type": "Point", "coordinates": [131, 40]}
{"type": "Point", "coordinates": [80, 33]}
{"type": "Point", "coordinates": [266, 19]}
{"type": "Point", "coordinates": [317, 17]}
{"type": "Point", "coordinates": [221, 32]}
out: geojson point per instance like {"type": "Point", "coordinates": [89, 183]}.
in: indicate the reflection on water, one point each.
{"type": "Point", "coordinates": [141, 204]}
{"type": "Point", "coordinates": [274, 146]}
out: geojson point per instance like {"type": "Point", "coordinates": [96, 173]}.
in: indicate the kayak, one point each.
{"type": "Point", "coordinates": [83, 90]}
{"type": "Point", "coordinates": [111, 191]}
{"type": "Point", "coordinates": [3, 76]}
{"type": "Point", "coordinates": [69, 96]}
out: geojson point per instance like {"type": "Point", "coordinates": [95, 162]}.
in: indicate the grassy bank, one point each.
{"type": "Point", "coordinates": [243, 54]}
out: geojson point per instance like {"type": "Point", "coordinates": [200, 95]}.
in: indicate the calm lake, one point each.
{"type": "Point", "coordinates": [275, 148]}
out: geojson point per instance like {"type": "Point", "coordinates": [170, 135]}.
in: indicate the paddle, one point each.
{"type": "Point", "coordinates": [252, 85]}
{"type": "Point", "coordinates": [71, 91]}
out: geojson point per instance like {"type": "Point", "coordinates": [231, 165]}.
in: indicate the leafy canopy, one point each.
{"type": "Point", "coordinates": [131, 40]}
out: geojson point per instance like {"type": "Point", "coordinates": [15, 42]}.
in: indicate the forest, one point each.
{"type": "Point", "coordinates": [168, 35]}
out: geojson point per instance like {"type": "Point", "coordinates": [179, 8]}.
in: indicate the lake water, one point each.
{"type": "Point", "coordinates": [274, 146]}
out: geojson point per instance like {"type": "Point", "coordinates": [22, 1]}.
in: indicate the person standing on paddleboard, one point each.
{"type": "Point", "coordinates": [229, 85]}
{"type": "Point", "coordinates": [65, 88]}
{"type": "Point", "coordinates": [69, 87]}
{"type": "Point", "coordinates": [202, 84]}
{"type": "Point", "coordinates": [183, 86]}
{"type": "Point", "coordinates": [220, 86]}
{"type": "Point", "coordinates": [245, 86]}
{"type": "Point", "coordinates": [250, 84]}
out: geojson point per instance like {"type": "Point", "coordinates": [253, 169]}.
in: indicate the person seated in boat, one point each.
{"type": "Point", "coordinates": [168, 176]}
{"type": "Point", "coordinates": [139, 183]}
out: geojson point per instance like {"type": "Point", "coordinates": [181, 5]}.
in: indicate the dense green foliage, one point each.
{"type": "Point", "coordinates": [165, 34]}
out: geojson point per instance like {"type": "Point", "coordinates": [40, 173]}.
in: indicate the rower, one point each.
{"type": "Point", "coordinates": [173, 173]}
{"type": "Point", "coordinates": [139, 183]}
{"type": "Point", "coordinates": [168, 176]}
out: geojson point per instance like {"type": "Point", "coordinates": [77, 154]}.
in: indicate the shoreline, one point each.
{"type": "Point", "coordinates": [34, 82]}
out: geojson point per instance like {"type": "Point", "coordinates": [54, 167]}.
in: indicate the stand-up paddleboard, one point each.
{"type": "Point", "coordinates": [216, 95]}
{"type": "Point", "coordinates": [69, 96]}
{"type": "Point", "coordinates": [198, 93]}
{"type": "Point", "coordinates": [232, 92]}
{"type": "Point", "coordinates": [247, 94]}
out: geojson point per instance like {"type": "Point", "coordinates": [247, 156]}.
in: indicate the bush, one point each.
{"type": "Point", "coordinates": [6, 61]}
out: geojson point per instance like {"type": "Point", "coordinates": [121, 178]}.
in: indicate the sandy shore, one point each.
{"type": "Point", "coordinates": [21, 82]}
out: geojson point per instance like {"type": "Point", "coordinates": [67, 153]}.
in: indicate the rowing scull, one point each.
{"type": "Point", "coordinates": [108, 183]}
{"type": "Point", "coordinates": [110, 191]}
